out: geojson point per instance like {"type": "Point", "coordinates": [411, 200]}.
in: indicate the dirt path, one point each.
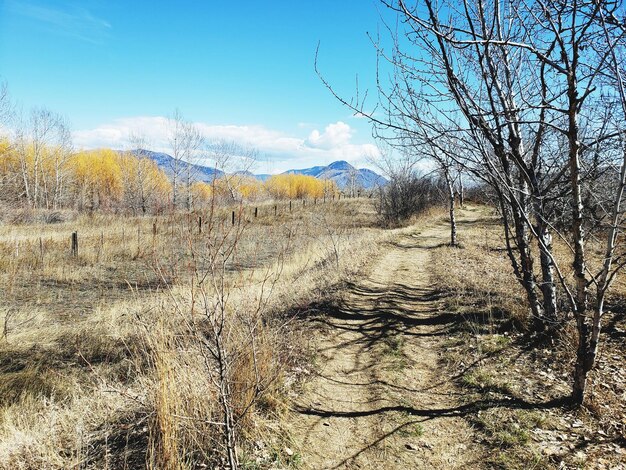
{"type": "Point", "coordinates": [381, 399]}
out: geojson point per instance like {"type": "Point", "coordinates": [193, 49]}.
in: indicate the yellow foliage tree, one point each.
{"type": "Point", "coordinates": [146, 186]}
{"type": "Point", "coordinates": [97, 176]}
{"type": "Point", "coordinates": [201, 193]}
{"type": "Point", "coordinates": [107, 179]}
{"type": "Point", "coordinates": [293, 186]}
{"type": "Point", "coordinates": [9, 171]}
{"type": "Point", "coordinates": [248, 188]}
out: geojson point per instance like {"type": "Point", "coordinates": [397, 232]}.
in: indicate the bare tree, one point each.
{"type": "Point", "coordinates": [514, 48]}
{"type": "Point", "coordinates": [232, 159]}
{"type": "Point", "coordinates": [185, 141]}
{"type": "Point", "coordinates": [407, 192]}
{"type": "Point", "coordinates": [224, 317]}
{"type": "Point", "coordinates": [43, 147]}
{"type": "Point", "coordinates": [353, 175]}
{"type": "Point", "coordinates": [529, 89]}
{"type": "Point", "coordinates": [142, 188]}
{"type": "Point", "coordinates": [6, 106]}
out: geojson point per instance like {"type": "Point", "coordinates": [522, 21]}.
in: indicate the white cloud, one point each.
{"type": "Point", "coordinates": [335, 135]}
{"type": "Point", "coordinates": [278, 151]}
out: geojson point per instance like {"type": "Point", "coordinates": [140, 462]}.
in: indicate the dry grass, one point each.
{"type": "Point", "coordinates": [518, 379]}
{"type": "Point", "coordinates": [99, 369]}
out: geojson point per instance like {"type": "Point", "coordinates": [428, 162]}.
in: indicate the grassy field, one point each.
{"type": "Point", "coordinates": [106, 356]}
{"type": "Point", "coordinates": [102, 355]}
{"type": "Point", "coordinates": [519, 380]}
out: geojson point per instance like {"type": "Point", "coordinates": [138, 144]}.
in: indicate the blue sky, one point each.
{"type": "Point", "coordinates": [241, 70]}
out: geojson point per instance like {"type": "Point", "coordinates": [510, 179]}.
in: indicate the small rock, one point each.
{"type": "Point", "coordinates": [410, 446]}
{"type": "Point", "coordinates": [288, 451]}
{"type": "Point", "coordinates": [325, 423]}
{"type": "Point", "coordinates": [551, 450]}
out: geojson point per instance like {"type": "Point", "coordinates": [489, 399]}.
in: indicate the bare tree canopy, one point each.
{"type": "Point", "coordinates": [528, 98]}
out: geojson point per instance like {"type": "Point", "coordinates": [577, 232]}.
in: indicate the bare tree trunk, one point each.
{"type": "Point", "coordinates": [189, 181]}
{"type": "Point", "coordinates": [227, 408]}
{"type": "Point", "coordinates": [35, 175]}
{"type": "Point", "coordinates": [549, 318]}
{"type": "Point", "coordinates": [24, 168]}
{"type": "Point", "coordinates": [519, 207]}
{"type": "Point", "coordinates": [548, 284]}
{"type": "Point", "coordinates": [584, 361]}
{"type": "Point", "coordinates": [451, 200]}
{"type": "Point", "coordinates": [174, 190]}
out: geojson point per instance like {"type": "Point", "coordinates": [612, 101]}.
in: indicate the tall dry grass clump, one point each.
{"type": "Point", "coordinates": [165, 439]}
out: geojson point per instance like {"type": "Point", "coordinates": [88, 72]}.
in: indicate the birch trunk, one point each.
{"type": "Point", "coordinates": [584, 360]}
{"type": "Point", "coordinates": [451, 200]}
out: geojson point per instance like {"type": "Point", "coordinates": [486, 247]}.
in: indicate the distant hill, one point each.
{"type": "Point", "coordinates": [167, 164]}
{"type": "Point", "coordinates": [344, 174]}
{"type": "Point", "coordinates": [341, 172]}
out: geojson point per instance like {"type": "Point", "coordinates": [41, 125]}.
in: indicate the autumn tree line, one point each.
{"type": "Point", "coordinates": [39, 169]}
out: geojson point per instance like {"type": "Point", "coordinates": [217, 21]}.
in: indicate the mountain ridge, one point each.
{"type": "Point", "coordinates": [344, 174]}
{"type": "Point", "coordinates": [341, 172]}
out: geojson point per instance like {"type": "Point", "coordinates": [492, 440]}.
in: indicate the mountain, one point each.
{"type": "Point", "coordinates": [263, 177]}
{"type": "Point", "coordinates": [344, 174]}
{"type": "Point", "coordinates": [167, 163]}
{"type": "Point", "coordinates": [341, 172]}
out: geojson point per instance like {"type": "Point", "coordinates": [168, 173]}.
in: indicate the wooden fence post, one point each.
{"type": "Point", "coordinates": [256, 212]}
{"type": "Point", "coordinates": [289, 205]}
{"type": "Point", "coordinates": [233, 218]}
{"type": "Point", "coordinates": [74, 243]}
{"type": "Point", "coordinates": [275, 209]}
{"type": "Point", "coordinates": [200, 225]}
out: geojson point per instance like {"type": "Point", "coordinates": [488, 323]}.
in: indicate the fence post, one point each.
{"type": "Point", "coordinates": [289, 205]}
{"type": "Point", "coordinates": [74, 243]}
{"type": "Point", "coordinates": [41, 251]}
{"type": "Point", "coordinates": [200, 225]}
{"type": "Point", "coordinates": [256, 212]}
{"type": "Point", "coordinates": [233, 218]}
{"type": "Point", "coordinates": [275, 209]}
{"type": "Point", "coordinates": [303, 202]}
{"type": "Point", "coordinates": [154, 228]}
